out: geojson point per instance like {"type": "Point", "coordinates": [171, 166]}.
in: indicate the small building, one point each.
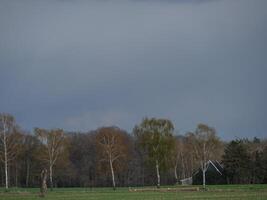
{"type": "Point", "coordinates": [187, 181]}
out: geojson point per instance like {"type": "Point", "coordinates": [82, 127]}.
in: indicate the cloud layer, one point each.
{"type": "Point", "coordinates": [83, 64]}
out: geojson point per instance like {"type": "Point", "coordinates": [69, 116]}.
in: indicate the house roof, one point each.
{"type": "Point", "coordinates": [214, 165]}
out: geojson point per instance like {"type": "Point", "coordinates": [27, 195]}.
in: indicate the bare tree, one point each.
{"type": "Point", "coordinates": [29, 153]}
{"type": "Point", "coordinates": [113, 146]}
{"type": "Point", "coordinates": [54, 145]}
{"type": "Point", "coordinates": [9, 141]}
{"type": "Point", "coordinates": [205, 144]}
{"type": "Point", "coordinates": [177, 158]}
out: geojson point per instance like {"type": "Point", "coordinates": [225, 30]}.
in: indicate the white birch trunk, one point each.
{"type": "Point", "coordinates": [158, 175]}
{"type": "Point", "coordinates": [6, 172]}
{"type": "Point", "coordinates": [51, 176]}
{"type": "Point", "coordinates": [175, 173]}
{"type": "Point", "coordinates": [112, 174]}
{"type": "Point", "coordinates": [5, 159]}
{"type": "Point", "coordinates": [204, 166]}
{"type": "Point", "coordinates": [43, 186]}
{"type": "Point", "coordinates": [183, 166]}
{"type": "Point", "coordinates": [204, 178]}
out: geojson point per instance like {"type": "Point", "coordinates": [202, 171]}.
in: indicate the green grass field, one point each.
{"type": "Point", "coordinates": [229, 192]}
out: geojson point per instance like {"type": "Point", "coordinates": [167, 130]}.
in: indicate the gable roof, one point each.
{"type": "Point", "coordinates": [214, 165]}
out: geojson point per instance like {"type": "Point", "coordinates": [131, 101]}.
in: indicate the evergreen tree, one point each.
{"type": "Point", "coordinates": [237, 163]}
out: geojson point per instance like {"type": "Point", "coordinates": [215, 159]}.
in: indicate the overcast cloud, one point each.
{"type": "Point", "coordinates": [78, 64]}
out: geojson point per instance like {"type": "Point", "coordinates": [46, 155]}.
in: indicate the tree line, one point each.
{"type": "Point", "coordinates": [109, 156]}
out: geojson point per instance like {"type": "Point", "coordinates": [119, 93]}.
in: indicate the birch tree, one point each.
{"type": "Point", "coordinates": [155, 137]}
{"type": "Point", "coordinates": [113, 147]}
{"type": "Point", "coordinates": [177, 158]}
{"type": "Point", "coordinates": [9, 142]}
{"type": "Point", "coordinates": [205, 144]}
{"type": "Point", "coordinates": [54, 146]}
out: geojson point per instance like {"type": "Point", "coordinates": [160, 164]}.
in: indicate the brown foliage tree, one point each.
{"type": "Point", "coordinates": [54, 144]}
{"type": "Point", "coordinates": [9, 141]}
{"type": "Point", "coordinates": [112, 146]}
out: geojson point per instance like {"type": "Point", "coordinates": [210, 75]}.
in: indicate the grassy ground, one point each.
{"type": "Point", "coordinates": [229, 192]}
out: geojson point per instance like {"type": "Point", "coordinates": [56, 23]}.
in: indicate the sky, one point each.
{"type": "Point", "coordinates": [82, 64]}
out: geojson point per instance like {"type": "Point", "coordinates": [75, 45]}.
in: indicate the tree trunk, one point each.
{"type": "Point", "coordinates": [6, 174]}
{"type": "Point", "coordinates": [204, 166]}
{"type": "Point", "coordinates": [51, 177]}
{"type": "Point", "coordinates": [204, 178]}
{"type": "Point", "coordinates": [143, 175]}
{"type": "Point", "coordinates": [43, 188]}
{"type": "Point", "coordinates": [183, 166]}
{"type": "Point", "coordinates": [192, 165]}
{"type": "Point", "coordinates": [27, 173]}
{"type": "Point", "coordinates": [158, 175]}
{"type": "Point", "coordinates": [16, 175]}
{"type": "Point", "coordinates": [6, 164]}
{"type": "Point", "coordinates": [112, 173]}
{"type": "Point", "coordinates": [175, 173]}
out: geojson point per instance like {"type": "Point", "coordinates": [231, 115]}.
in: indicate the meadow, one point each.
{"type": "Point", "coordinates": [234, 192]}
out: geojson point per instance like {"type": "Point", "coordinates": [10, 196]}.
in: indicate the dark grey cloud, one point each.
{"type": "Point", "coordinates": [175, 1]}
{"type": "Point", "coordinates": [83, 64]}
